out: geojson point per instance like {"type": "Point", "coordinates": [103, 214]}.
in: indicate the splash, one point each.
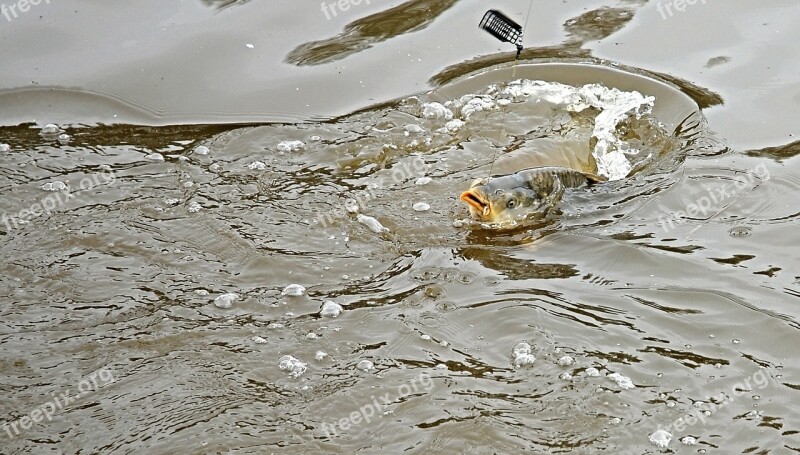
{"type": "Point", "coordinates": [614, 107]}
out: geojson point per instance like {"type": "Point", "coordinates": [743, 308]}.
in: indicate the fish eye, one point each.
{"type": "Point", "coordinates": [511, 204]}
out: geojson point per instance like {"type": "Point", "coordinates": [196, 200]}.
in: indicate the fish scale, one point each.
{"type": "Point", "coordinates": [544, 178]}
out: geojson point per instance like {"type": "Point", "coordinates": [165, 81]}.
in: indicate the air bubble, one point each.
{"type": "Point", "coordinates": [740, 231]}
{"type": "Point", "coordinates": [226, 300]}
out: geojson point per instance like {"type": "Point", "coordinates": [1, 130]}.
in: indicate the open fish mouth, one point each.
{"type": "Point", "coordinates": [476, 201]}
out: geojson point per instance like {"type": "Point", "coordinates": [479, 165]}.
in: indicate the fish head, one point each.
{"type": "Point", "coordinates": [502, 200]}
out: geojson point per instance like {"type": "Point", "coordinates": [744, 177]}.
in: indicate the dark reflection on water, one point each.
{"type": "Point", "coordinates": [596, 24]}
{"type": "Point", "coordinates": [110, 281]}
{"type": "Point", "coordinates": [362, 33]}
{"type": "Point", "coordinates": [517, 269]}
{"type": "Point", "coordinates": [589, 26]}
{"type": "Point", "coordinates": [779, 154]}
{"type": "Point", "coordinates": [222, 4]}
{"type": "Point", "coordinates": [124, 278]}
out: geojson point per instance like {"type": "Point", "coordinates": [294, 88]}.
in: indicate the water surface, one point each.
{"type": "Point", "coordinates": [111, 294]}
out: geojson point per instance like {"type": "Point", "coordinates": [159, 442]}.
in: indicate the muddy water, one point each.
{"type": "Point", "coordinates": [680, 279]}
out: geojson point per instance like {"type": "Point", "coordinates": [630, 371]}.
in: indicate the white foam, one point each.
{"type": "Point", "coordinates": [54, 186]}
{"type": "Point", "coordinates": [566, 361]}
{"type": "Point", "coordinates": [615, 106]}
{"type": "Point", "coordinates": [331, 309]}
{"type": "Point", "coordinates": [373, 224]}
{"type": "Point", "coordinates": [623, 382]}
{"type": "Point", "coordinates": [293, 365]}
{"type": "Point", "coordinates": [475, 103]}
{"type": "Point", "coordinates": [294, 290]}
{"type": "Point", "coordinates": [592, 372]}
{"type": "Point", "coordinates": [688, 440]}
{"type": "Point", "coordinates": [351, 206]}
{"type": "Point", "coordinates": [552, 92]}
{"type": "Point", "coordinates": [291, 146]}
{"type": "Point", "coordinates": [523, 360]}
{"type": "Point", "coordinates": [365, 365]}
{"type": "Point", "coordinates": [452, 126]}
{"type": "Point", "coordinates": [661, 438]}
{"type": "Point", "coordinates": [320, 356]}
{"type": "Point", "coordinates": [436, 110]}
{"type": "Point", "coordinates": [194, 207]}
{"type": "Point", "coordinates": [522, 353]}
{"type": "Point", "coordinates": [50, 128]}
{"type": "Point", "coordinates": [421, 207]}
{"type": "Point", "coordinates": [226, 300]}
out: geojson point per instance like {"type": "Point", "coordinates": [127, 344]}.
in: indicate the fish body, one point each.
{"type": "Point", "coordinates": [548, 151]}
{"type": "Point", "coordinates": [508, 198]}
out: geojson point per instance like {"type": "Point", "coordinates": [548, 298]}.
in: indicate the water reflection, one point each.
{"type": "Point", "coordinates": [589, 26]}
{"type": "Point", "coordinates": [361, 34]}
{"type": "Point", "coordinates": [517, 268]}
{"type": "Point", "coordinates": [780, 153]}
{"type": "Point", "coordinates": [222, 4]}
{"type": "Point", "coordinates": [126, 278]}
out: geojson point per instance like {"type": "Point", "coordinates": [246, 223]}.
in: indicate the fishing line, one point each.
{"type": "Point", "coordinates": [503, 28]}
